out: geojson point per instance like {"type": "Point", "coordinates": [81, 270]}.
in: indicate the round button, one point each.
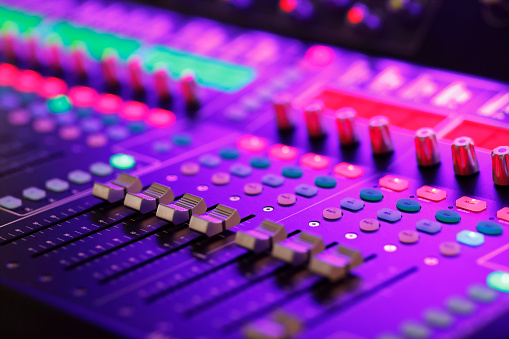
{"type": "Point", "coordinates": [448, 216]}
{"type": "Point", "coordinates": [408, 237]}
{"type": "Point", "coordinates": [100, 169]}
{"type": "Point", "coordinates": [260, 162]}
{"type": "Point", "coordinates": [481, 293]}
{"type": "Point", "coordinates": [438, 318]}
{"type": "Point", "coordinates": [369, 225]}
{"type": "Point", "coordinates": [428, 226]}
{"type": "Point", "coordinates": [189, 168]}
{"type": "Point", "coordinates": [371, 195]}
{"type": "Point", "coordinates": [57, 185]}
{"type": "Point", "coordinates": [181, 139]}
{"type": "Point", "coordinates": [10, 202]}
{"type": "Point", "coordinates": [408, 205]}
{"type": "Point", "coordinates": [97, 140]}
{"type": "Point", "coordinates": [332, 213]}
{"type": "Point", "coordinates": [499, 281]}
{"type": "Point", "coordinates": [489, 227]}
{"type": "Point", "coordinates": [306, 190]}
{"type": "Point", "coordinates": [273, 180]}
{"type": "Point", "coordinates": [450, 249]}
{"type": "Point", "coordinates": [229, 153]}
{"type": "Point", "coordinates": [460, 305]}
{"type": "Point", "coordinates": [292, 172]}
{"type": "Point", "coordinates": [351, 204]}
{"type": "Point", "coordinates": [122, 161]}
{"type": "Point", "coordinates": [79, 177]}
{"type": "Point", "coordinates": [470, 238]}
{"type": "Point", "coordinates": [209, 160]}
{"type": "Point", "coordinates": [34, 193]}
{"type": "Point", "coordinates": [286, 199]}
{"type": "Point", "coordinates": [253, 188]}
{"type": "Point", "coordinates": [415, 330]}
{"type": "Point", "coordinates": [240, 170]}
{"type": "Point", "coordinates": [221, 178]}
{"type": "Point", "coordinates": [161, 146]}
{"type": "Point", "coordinates": [325, 181]}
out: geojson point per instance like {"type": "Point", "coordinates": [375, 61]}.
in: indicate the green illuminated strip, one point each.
{"type": "Point", "coordinates": [209, 72]}
{"type": "Point", "coordinates": [23, 21]}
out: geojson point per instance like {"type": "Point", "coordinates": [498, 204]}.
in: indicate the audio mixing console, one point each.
{"type": "Point", "coordinates": [169, 176]}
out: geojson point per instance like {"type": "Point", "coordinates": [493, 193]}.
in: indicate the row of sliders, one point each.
{"type": "Point", "coordinates": [426, 145]}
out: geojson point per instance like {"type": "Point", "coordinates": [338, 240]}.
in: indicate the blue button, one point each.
{"type": "Point", "coordinates": [273, 180]}
{"type": "Point", "coordinates": [260, 162]}
{"type": "Point", "coordinates": [324, 181]}
{"type": "Point", "coordinates": [489, 227]}
{"type": "Point", "coordinates": [101, 169]}
{"type": "Point", "coordinates": [91, 125]}
{"type": "Point", "coordinates": [470, 238]}
{"type": "Point", "coordinates": [181, 139]}
{"type": "Point", "coordinates": [137, 127]}
{"type": "Point", "coordinates": [229, 153]}
{"type": "Point", "coordinates": [351, 204]}
{"type": "Point", "coordinates": [34, 193]}
{"type": "Point", "coordinates": [117, 133]}
{"type": "Point", "coordinates": [210, 160]}
{"type": "Point", "coordinates": [371, 195]}
{"type": "Point", "coordinates": [10, 202]}
{"type": "Point", "coordinates": [240, 170]}
{"type": "Point", "coordinates": [292, 172]}
{"type": "Point", "coordinates": [408, 205]}
{"type": "Point", "coordinates": [306, 190]}
{"type": "Point", "coordinates": [448, 216]}
{"type": "Point", "coordinates": [83, 112]}
{"type": "Point", "coordinates": [161, 146]}
{"type": "Point", "coordinates": [110, 119]}
{"type": "Point", "coordinates": [428, 226]}
{"type": "Point", "coordinates": [389, 215]}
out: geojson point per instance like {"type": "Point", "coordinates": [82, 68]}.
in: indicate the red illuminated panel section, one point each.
{"type": "Point", "coordinates": [484, 136]}
{"type": "Point", "coordinates": [408, 118]}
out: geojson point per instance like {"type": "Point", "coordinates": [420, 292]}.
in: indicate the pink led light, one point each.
{"type": "Point", "coordinates": [82, 96]}
{"type": "Point", "coordinates": [52, 87]}
{"type": "Point", "coordinates": [355, 15]}
{"type": "Point", "coordinates": [171, 178]}
{"type": "Point", "coordinates": [315, 161]}
{"type": "Point", "coordinates": [8, 74]}
{"type": "Point", "coordinates": [283, 152]}
{"type": "Point", "coordinates": [159, 117]}
{"type": "Point", "coordinates": [134, 110]}
{"type": "Point", "coordinates": [252, 143]}
{"type": "Point", "coordinates": [431, 261]}
{"type": "Point", "coordinates": [351, 236]}
{"type": "Point", "coordinates": [348, 170]}
{"type": "Point", "coordinates": [108, 104]}
{"type": "Point", "coordinates": [390, 248]}
{"type": "Point", "coordinates": [28, 81]}
{"type": "Point", "coordinates": [320, 55]}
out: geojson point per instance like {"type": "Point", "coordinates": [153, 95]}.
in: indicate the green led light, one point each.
{"type": "Point", "coordinates": [211, 73]}
{"type": "Point", "coordinates": [20, 20]}
{"type": "Point", "coordinates": [499, 281]}
{"type": "Point", "coordinates": [59, 104]}
{"type": "Point", "coordinates": [122, 161]}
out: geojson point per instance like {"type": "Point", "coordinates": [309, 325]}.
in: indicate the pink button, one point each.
{"type": "Point", "coordinates": [8, 74]}
{"type": "Point", "coordinates": [221, 178]}
{"type": "Point", "coordinates": [471, 204]}
{"type": "Point", "coordinates": [315, 161]}
{"type": "Point", "coordinates": [189, 168]}
{"type": "Point", "coordinates": [320, 55]}
{"type": "Point", "coordinates": [348, 170]}
{"type": "Point", "coordinates": [431, 193]}
{"type": "Point", "coordinates": [44, 125]}
{"type": "Point", "coordinates": [332, 213]}
{"type": "Point", "coordinates": [252, 143]}
{"type": "Point", "coordinates": [18, 117]}
{"type": "Point", "coordinates": [253, 188]}
{"type": "Point", "coordinates": [159, 117]}
{"type": "Point", "coordinates": [28, 81]}
{"type": "Point", "coordinates": [134, 110]}
{"type": "Point", "coordinates": [393, 183]}
{"type": "Point", "coordinates": [52, 87]}
{"type": "Point", "coordinates": [283, 152]}
{"type": "Point", "coordinates": [97, 140]}
{"type": "Point", "coordinates": [69, 132]}
{"type": "Point", "coordinates": [82, 96]}
{"type": "Point", "coordinates": [108, 104]}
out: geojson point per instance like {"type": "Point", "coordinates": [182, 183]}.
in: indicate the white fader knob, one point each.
{"type": "Point", "coordinates": [463, 156]}
{"type": "Point", "coordinates": [500, 162]}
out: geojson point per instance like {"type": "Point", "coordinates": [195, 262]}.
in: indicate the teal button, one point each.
{"type": "Point", "coordinates": [181, 139]}
{"type": "Point", "coordinates": [10, 202]}
{"type": "Point", "coordinates": [57, 185]}
{"type": "Point", "coordinates": [59, 104]}
{"type": "Point", "coordinates": [481, 293]}
{"type": "Point", "coordinates": [209, 160]}
{"type": "Point", "coordinates": [470, 238]}
{"type": "Point", "coordinates": [408, 205]}
{"type": "Point", "coordinates": [460, 305]}
{"type": "Point", "coordinates": [386, 214]}
{"type": "Point", "coordinates": [229, 153]}
{"type": "Point", "coordinates": [34, 193]}
{"type": "Point", "coordinates": [306, 190]}
{"type": "Point", "coordinates": [137, 127]}
{"type": "Point", "coordinates": [83, 112]}
{"type": "Point", "coordinates": [448, 216]}
{"type": "Point", "coordinates": [79, 177]}
{"type": "Point", "coordinates": [240, 170]}
{"type": "Point", "coordinates": [100, 169]}
{"type": "Point", "coordinates": [292, 172]}
{"type": "Point", "coordinates": [438, 318]}
{"type": "Point", "coordinates": [415, 330]}
{"type": "Point", "coordinates": [324, 181]}
{"type": "Point", "coordinates": [371, 195]}
{"type": "Point", "coordinates": [260, 162]}
{"type": "Point", "coordinates": [499, 281]}
{"type": "Point", "coordinates": [428, 226]}
{"type": "Point", "coordinates": [489, 227]}
{"type": "Point", "coordinates": [122, 161]}
{"type": "Point", "coordinates": [351, 204]}
{"type": "Point", "coordinates": [273, 180]}
{"type": "Point", "coordinates": [110, 119]}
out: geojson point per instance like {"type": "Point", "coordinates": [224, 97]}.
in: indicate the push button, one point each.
{"type": "Point", "coordinates": [431, 193]}
{"type": "Point", "coordinates": [189, 168]}
{"type": "Point", "coordinates": [283, 152]}
{"type": "Point", "coordinates": [489, 227]}
{"type": "Point", "coordinates": [292, 172]}
{"type": "Point", "coordinates": [315, 161]}
{"type": "Point", "coordinates": [252, 143]}
{"type": "Point", "coordinates": [57, 185]}
{"type": "Point", "coordinates": [306, 190]}
{"type": "Point", "coordinates": [260, 162]}
{"type": "Point", "coordinates": [122, 161]}
{"type": "Point", "coordinates": [182, 139]}
{"type": "Point", "coordinates": [351, 204]}
{"type": "Point", "coordinates": [438, 318]}
{"type": "Point", "coordinates": [324, 181]}
{"type": "Point", "coordinates": [79, 177]}
{"type": "Point", "coordinates": [229, 153]}
{"type": "Point", "coordinates": [460, 305]}
{"type": "Point", "coordinates": [481, 293]}
{"type": "Point", "coordinates": [209, 160]}
{"type": "Point", "coordinates": [408, 237]}
{"type": "Point", "coordinates": [471, 204]}
{"type": "Point", "coordinates": [221, 178]}
{"type": "Point", "coordinates": [240, 170]}
{"type": "Point", "coordinates": [448, 216]}
{"type": "Point", "coordinates": [253, 188]}
{"type": "Point", "coordinates": [470, 238]}
{"type": "Point", "coordinates": [10, 202]}
{"type": "Point", "coordinates": [286, 199]}
{"type": "Point", "coordinates": [371, 195]}
{"type": "Point", "coordinates": [348, 170]}
{"type": "Point", "coordinates": [34, 193]}
{"type": "Point", "coordinates": [386, 214]}
{"type": "Point", "coordinates": [428, 226]}
{"type": "Point", "coordinates": [408, 205]}
{"type": "Point", "coordinates": [273, 180]}
{"type": "Point", "coordinates": [450, 249]}
{"type": "Point", "coordinates": [393, 183]}
{"type": "Point", "coordinates": [332, 213]}
{"type": "Point", "coordinates": [415, 330]}
{"type": "Point", "coordinates": [499, 281]}
{"type": "Point", "coordinates": [101, 169]}
{"type": "Point", "coordinates": [369, 225]}
{"type": "Point", "coordinates": [503, 214]}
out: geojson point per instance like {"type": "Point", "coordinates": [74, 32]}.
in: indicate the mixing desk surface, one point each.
{"type": "Point", "coordinates": [168, 176]}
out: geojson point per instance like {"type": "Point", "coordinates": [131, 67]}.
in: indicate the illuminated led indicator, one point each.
{"type": "Point", "coordinates": [28, 81]}
{"type": "Point", "coordinates": [171, 178]}
{"type": "Point", "coordinates": [159, 117]}
{"type": "Point", "coordinates": [59, 104]}
{"type": "Point", "coordinates": [351, 236]}
{"type": "Point", "coordinates": [202, 188]}
{"type": "Point", "coordinates": [431, 261]}
{"type": "Point", "coordinates": [283, 152]}
{"type": "Point", "coordinates": [82, 96]}
{"type": "Point", "coordinates": [8, 74]}
{"type": "Point", "coordinates": [287, 5]}
{"type": "Point", "coordinates": [52, 87]}
{"type": "Point", "coordinates": [356, 14]}
{"type": "Point", "coordinates": [390, 248]}
{"type": "Point", "coordinates": [320, 56]}
{"type": "Point", "coordinates": [122, 161]}
{"type": "Point", "coordinates": [315, 161]}
{"type": "Point", "coordinates": [499, 281]}
{"type": "Point", "coordinates": [134, 111]}
{"type": "Point", "coordinates": [252, 143]}
{"type": "Point", "coordinates": [108, 104]}
{"type": "Point", "coordinates": [348, 170]}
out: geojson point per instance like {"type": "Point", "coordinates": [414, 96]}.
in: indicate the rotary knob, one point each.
{"type": "Point", "coordinates": [500, 162]}
{"type": "Point", "coordinates": [314, 119]}
{"type": "Point", "coordinates": [381, 141]}
{"type": "Point", "coordinates": [426, 147]}
{"type": "Point", "coordinates": [347, 126]}
{"type": "Point", "coordinates": [283, 109]}
{"type": "Point", "coordinates": [464, 157]}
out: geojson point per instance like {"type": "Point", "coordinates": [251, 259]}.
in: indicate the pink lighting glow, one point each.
{"type": "Point", "coordinates": [320, 56]}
